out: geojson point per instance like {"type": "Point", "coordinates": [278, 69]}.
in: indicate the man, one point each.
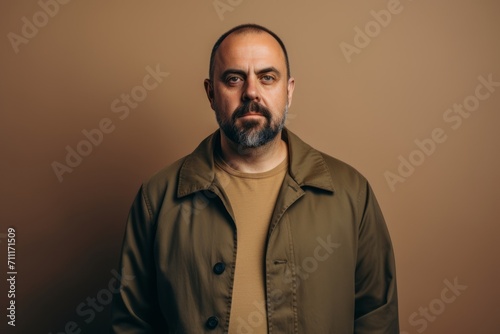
{"type": "Point", "coordinates": [255, 231]}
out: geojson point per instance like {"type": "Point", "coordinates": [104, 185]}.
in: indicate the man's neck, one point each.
{"type": "Point", "coordinates": [253, 160]}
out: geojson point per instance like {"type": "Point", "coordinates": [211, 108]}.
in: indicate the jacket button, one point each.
{"type": "Point", "coordinates": [212, 322]}
{"type": "Point", "coordinates": [219, 268]}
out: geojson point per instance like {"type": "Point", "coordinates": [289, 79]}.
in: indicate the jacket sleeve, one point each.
{"type": "Point", "coordinates": [135, 305]}
{"type": "Point", "coordinates": [376, 303]}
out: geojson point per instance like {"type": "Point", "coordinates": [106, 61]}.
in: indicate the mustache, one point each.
{"type": "Point", "coordinates": [251, 106]}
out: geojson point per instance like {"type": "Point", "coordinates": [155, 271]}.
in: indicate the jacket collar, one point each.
{"type": "Point", "coordinates": [306, 165]}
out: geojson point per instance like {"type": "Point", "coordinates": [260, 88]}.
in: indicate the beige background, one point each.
{"type": "Point", "coordinates": [443, 219]}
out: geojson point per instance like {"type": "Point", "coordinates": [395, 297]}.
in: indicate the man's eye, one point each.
{"type": "Point", "coordinates": [267, 78]}
{"type": "Point", "coordinates": [233, 79]}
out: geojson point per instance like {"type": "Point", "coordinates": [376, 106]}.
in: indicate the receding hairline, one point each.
{"type": "Point", "coordinates": [243, 30]}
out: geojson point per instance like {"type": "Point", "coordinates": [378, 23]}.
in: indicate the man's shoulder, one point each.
{"type": "Point", "coordinates": [341, 174]}
{"type": "Point", "coordinates": [162, 184]}
{"type": "Point", "coordinates": [341, 170]}
{"type": "Point", "coordinates": [186, 171]}
{"type": "Point", "coordinates": [165, 176]}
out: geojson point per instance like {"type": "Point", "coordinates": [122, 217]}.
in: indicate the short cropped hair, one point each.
{"type": "Point", "coordinates": [249, 27]}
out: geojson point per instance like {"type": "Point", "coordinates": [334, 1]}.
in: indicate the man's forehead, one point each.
{"type": "Point", "coordinates": [246, 45]}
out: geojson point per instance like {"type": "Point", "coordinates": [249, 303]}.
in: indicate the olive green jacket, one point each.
{"type": "Point", "coordinates": [329, 265]}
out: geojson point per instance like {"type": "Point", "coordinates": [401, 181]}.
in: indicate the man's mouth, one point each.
{"type": "Point", "coordinates": [252, 111]}
{"type": "Point", "coordinates": [251, 114]}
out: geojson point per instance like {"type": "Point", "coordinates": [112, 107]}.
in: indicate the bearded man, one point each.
{"type": "Point", "coordinates": [255, 231]}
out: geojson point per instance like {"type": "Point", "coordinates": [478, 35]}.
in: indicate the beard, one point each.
{"type": "Point", "coordinates": [252, 133]}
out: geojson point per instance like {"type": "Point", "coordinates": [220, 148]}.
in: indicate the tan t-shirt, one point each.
{"type": "Point", "coordinates": [252, 197]}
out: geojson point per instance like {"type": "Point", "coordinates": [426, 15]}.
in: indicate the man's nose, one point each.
{"type": "Point", "coordinates": [251, 90]}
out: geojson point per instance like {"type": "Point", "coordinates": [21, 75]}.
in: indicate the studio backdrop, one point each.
{"type": "Point", "coordinates": [97, 96]}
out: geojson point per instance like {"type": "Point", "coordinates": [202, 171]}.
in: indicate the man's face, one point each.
{"type": "Point", "coordinates": [250, 92]}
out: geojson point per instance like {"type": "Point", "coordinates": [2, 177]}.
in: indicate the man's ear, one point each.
{"type": "Point", "coordinates": [290, 89]}
{"type": "Point", "coordinates": [209, 89]}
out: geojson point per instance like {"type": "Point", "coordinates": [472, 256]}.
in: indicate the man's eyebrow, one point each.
{"type": "Point", "coordinates": [232, 71]}
{"type": "Point", "coordinates": [269, 69]}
